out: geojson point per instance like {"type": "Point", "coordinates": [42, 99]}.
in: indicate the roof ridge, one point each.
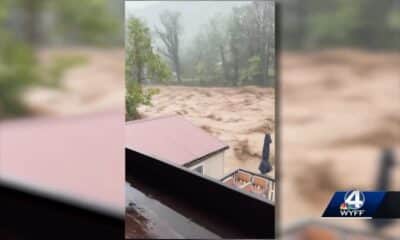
{"type": "Point", "coordinates": [178, 139]}
{"type": "Point", "coordinates": [171, 116]}
{"type": "Point", "coordinates": [151, 119]}
{"type": "Point", "coordinates": [62, 118]}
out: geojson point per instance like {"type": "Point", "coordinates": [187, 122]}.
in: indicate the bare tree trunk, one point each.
{"type": "Point", "coordinates": [235, 70]}
{"type": "Point", "coordinates": [264, 70]}
{"type": "Point", "coordinates": [235, 63]}
{"type": "Point", "coordinates": [31, 21]}
{"type": "Point", "coordinates": [170, 38]}
{"type": "Point", "coordinates": [236, 74]}
{"type": "Point", "coordinates": [265, 58]}
{"type": "Point", "coordinates": [263, 26]}
{"type": "Point", "coordinates": [139, 74]}
{"type": "Point", "coordinates": [176, 58]}
{"type": "Point", "coordinates": [177, 69]}
{"type": "Point", "coordinates": [224, 64]}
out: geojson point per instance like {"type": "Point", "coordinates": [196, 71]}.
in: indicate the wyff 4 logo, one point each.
{"type": "Point", "coordinates": [353, 202]}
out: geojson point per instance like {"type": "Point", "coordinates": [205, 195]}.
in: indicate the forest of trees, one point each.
{"type": "Point", "coordinates": [233, 50]}
{"type": "Point", "coordinates": [365, 24]}
{"type": "Point", "coordinates": [239, 48]}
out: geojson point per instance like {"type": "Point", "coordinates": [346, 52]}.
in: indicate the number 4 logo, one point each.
{"type": "Point", "coordinates": [354, 199]}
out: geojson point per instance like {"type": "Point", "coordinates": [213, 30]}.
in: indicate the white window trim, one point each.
{"type": "Point", "coordinates": [199, 165]}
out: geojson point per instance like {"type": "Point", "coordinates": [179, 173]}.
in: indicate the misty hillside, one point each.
{"type": "Point", "coordinates": [214, 43]}
{"type": "Point", "coordinates": [194, 14]}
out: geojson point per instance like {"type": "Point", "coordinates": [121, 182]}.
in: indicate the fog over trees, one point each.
{"type": "Point", "coordinates": [170, 36]}
{"type": "Point", "coordinates": [232, 46]}
{"type": "Point", "coordinates": [232, 43]}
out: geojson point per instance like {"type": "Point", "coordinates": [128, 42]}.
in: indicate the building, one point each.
{"type": "Point", "coordinates": [178, 141]}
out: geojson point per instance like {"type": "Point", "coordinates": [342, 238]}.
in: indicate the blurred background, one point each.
{"type": "Point", "coordinates": [340, 108]}
{"type": "Point", "coordinates": [339, 87]}
{"type": "Point", "coordinates": [60, 57]}
{"type": "Point", "coordinates": [61, 100]}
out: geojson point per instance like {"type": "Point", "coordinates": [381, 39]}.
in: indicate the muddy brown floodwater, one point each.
{"type": "Point", "coordinates": [339, 108]}
{"type": "Point", "coordinates": [238, 116]}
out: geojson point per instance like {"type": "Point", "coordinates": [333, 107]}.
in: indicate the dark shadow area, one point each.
{"type": "Point", "coordinates": [225, 211]}
{"type": "Point", "coordinates": [29, 216]}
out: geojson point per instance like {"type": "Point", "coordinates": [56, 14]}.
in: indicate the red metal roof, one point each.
{"type": "Point", "coordinates": [81, 158]}
{"type": "Point", "coordinates": [171, 138]}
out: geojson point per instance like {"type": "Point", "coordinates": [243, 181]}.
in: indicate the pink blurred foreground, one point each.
{"type": "Point", "coordinates": [79, 159]}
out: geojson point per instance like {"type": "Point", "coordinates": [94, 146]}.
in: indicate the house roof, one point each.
{"type": "Point", "coordinates": [171, 138]}
{"type": "Point", "coordinates": [68, 157]}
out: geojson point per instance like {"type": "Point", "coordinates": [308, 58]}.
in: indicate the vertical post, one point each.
{"type": "Point", "coordinates": [265, 165]}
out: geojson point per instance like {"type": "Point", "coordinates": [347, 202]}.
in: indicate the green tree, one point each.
{"type": "Point", "coordinates": [141, 63]}
{"type": "Point", "coordinates": [252, 69]}
{"type": "Point", "coordinates": [17, 69]}
{"type": "Point", "coordinates": [251, 34]}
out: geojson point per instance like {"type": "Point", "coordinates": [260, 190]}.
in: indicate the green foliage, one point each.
{"type": "Point", "coordinates": [333, 27]}
{"type": "Point", "coordinates": [393, 20]}
{"type": "Point", "coordinates": [157, 69]}
{"type": "Point", "coordinates": [17, 72]}
{"type": "Point", "coordinates": [135, 96]}
{"type": "Point", "coordinates": [140, 57]}
{"type": "Point", "coordinates": [19, 69]}
{"type": "Point", "coordinates": [89, 20]}
{"type": "Point", "coordinates": [236, 49]}
{"type": "Point", "coordinates": [3, 10]}
{"type": "Point", "coordinates": [252, 69]}
{"type": "Point", "coordinates": [141, 63]}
